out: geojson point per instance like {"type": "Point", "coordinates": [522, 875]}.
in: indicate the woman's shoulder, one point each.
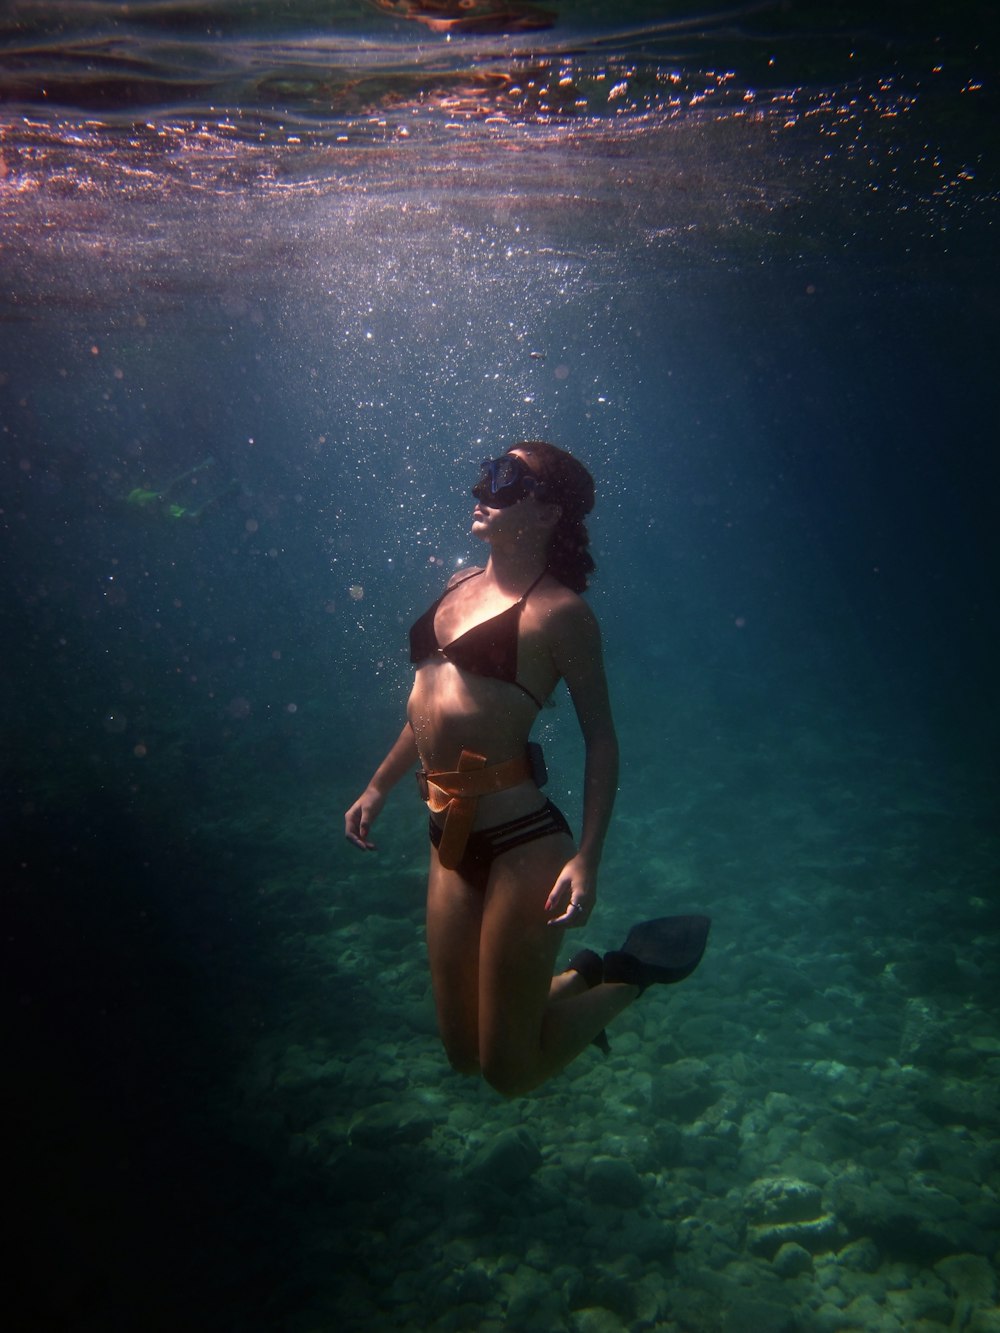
{"type": "Point", "coordinates": [564, 597]}
{"type": "Point", "coordinates": [460, 575]}
{"type": "Point", "coordinates": [565, 609]}
{"type": "Point", "coordinates": [571, 630]}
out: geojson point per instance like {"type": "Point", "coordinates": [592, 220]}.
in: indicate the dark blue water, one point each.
{"type": "Point", "coordinates": [296, 268]}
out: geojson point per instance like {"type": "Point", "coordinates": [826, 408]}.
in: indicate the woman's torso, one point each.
{"type": "Point", "coordinates": [452, 709]}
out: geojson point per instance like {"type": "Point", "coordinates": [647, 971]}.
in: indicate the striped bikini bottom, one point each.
{"type": "Point", "coordinates": [485, 845]}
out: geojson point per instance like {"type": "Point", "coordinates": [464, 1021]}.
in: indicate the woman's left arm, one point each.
{"type": "Point", "coordinates": [580, 660]}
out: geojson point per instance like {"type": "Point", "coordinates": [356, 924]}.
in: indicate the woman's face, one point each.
{"type": "Point", "coordinates": [505, 480]}
{"type": "Point", "coordinates": [516, 521]}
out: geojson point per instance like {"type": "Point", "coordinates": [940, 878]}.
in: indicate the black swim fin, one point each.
{"type": "Point", "coordinates": [665, 950]}
{"type": "Point", "coordinates": [590, 966]}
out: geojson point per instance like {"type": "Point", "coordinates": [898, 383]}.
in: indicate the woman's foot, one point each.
{"type": "Point", "coordinates": [663, 951]}
{"type": "Point", "coordinates": [589, 965]}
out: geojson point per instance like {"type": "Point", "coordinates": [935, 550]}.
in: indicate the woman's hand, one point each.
{"type": "Point", "coordinates": [367, 808]}
{"type": "Point", "coordinates": [360, 817]}
{"type": "Point", "coordinates": [574, 894]}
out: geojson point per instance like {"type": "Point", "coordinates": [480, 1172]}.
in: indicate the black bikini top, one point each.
{"type": "Point", "coordinates": [488, 649]}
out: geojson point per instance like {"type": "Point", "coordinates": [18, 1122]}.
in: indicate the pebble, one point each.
{"type": "Point", "coordinates": [507, 1160]}
{"type": "Point", "coordinates": [613, 1180]}
{"type": "Point", "coordinates": [792, 1260]}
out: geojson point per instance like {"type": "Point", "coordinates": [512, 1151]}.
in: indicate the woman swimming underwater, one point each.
{"type": "Point", "coordinates": [506, 879]}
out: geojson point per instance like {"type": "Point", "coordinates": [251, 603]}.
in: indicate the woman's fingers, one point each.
{"type": "Point", "coordinates": [356, 826]}
{"type": "Point", "coordinates": [571, 906]}
{"type": "Point", "coordinates": [560, 895]}
{"type": "Point", "coordinates": [572, 898]}
{"type": "Point", "coordinates": [574, 915]}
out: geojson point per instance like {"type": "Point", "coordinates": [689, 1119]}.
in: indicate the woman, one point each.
{"type": "Point", "coordinates": [506, 879]}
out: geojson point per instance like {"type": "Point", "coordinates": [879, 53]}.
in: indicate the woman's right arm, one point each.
{"type": "Point", "coordinates": [365, 810]}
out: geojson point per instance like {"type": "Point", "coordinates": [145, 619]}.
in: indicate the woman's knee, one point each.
{"type": "Point", "coordinates": [463, 1063]}
{"type": "Point", "coordinates": [510, 1078]}
{"type": "Point", "coordinates": [459, 1035]}
{"type": "Point", "coordinates": [461, 1048]}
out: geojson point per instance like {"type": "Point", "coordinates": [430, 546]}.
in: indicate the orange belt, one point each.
{"type": "Point", "coordinates": [458, 793]}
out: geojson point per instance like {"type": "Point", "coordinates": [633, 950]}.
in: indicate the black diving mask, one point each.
{"type": "Point", "coordinates": [505, 480]}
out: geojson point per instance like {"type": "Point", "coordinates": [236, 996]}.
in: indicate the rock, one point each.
{"type": "Point", "coordinates": [597, 1320]}
{"type": "Point", "coordinates": [507, 1160]}
{"type": "Point", "coordinates": [649, 1241]}
{"type": "Point", "coordinates": [783, 1210]}
{"type": "Point", "coordinates": [954, 1101]}
{"type": "Point", "coordinates": [925, 1037]}
{"type": "Point", "coordinates": [692, 1308]}
{"type": "Point", "coordinates": [471, 1285]}
{"type": "Point", "coordinates": [791, 1260]}
{"type": "Point", "coordinates": [926, 1301]}
{"type": "Point", "coordinates": [600, 1288]}
{"type": "Point", "coordinates": [455, 1319]}
{"type": "Point", "coordinates": [750, 1316]}
{"type": "Point", "coordinates": [782, 1199]}
{"type": "Point", "coordinates": [392, 933]}
{"type": "Point", "coordinates": [827, 1318]}
{"type": "Point", "coordinates": [970, 1277]}
{"type": "Point", "coordinates": [388, 1125]}
{"type": "Point", "coordinates": [683, 1090]}
{"type": "Point", "coordinates": [860, 1256]}
{"type": "Point", "coordinates": [363, 1175]}
{"type": "Point", "coordinates": [532, 1301]}
{"type": "Point", "coordinates": [865, 1313]}
{"type": "Point", "coordinates": [711, 1033]}
{"type": "Point", "coordinates": [818, 1234]}
{"type": "Point", "coordinates": [613, 1180]}
{"type": "Point", "coordinates": [902, 1226]}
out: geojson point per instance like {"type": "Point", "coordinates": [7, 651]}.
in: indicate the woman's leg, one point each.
{"type": "Point", "coordinates": [454, 922]}
{"type": "Point", "coordinates": [529, 1029]}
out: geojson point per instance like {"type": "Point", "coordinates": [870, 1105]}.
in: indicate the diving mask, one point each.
{"type": "Point", "coordinates": [505, 480]}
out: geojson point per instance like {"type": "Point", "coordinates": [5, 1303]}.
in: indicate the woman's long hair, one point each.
{"type": "Point", "coordinates": [567, 483]}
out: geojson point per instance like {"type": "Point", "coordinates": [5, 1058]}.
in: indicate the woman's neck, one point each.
{"type": "Point", "coordinates": [514, 568]}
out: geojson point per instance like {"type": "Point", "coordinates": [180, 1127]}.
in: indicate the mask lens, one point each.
{"type": "Point", "coordinates": [503, 481]}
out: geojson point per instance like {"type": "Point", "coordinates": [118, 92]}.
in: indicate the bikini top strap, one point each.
{"type": "Point", "coordinates": [469, 574]}
{"type": "Point", "coordinates": [472, 574]}
{"type": "Point", "coordinates": [530, 590]}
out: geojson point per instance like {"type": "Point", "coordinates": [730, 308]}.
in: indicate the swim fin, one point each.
{"type": "Point", "coordinates": [590, 966]}
{"type": "Point", "coordinates": [665, 950]}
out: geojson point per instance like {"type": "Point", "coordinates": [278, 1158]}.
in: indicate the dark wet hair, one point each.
{"type": "Point", "coordinates": [568, 484]}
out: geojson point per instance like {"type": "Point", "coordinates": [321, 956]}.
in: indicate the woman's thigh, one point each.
{"type": "Point", "coordinates": [518, 951]}
{"type": "Point", "coordinates": [454, 923]}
